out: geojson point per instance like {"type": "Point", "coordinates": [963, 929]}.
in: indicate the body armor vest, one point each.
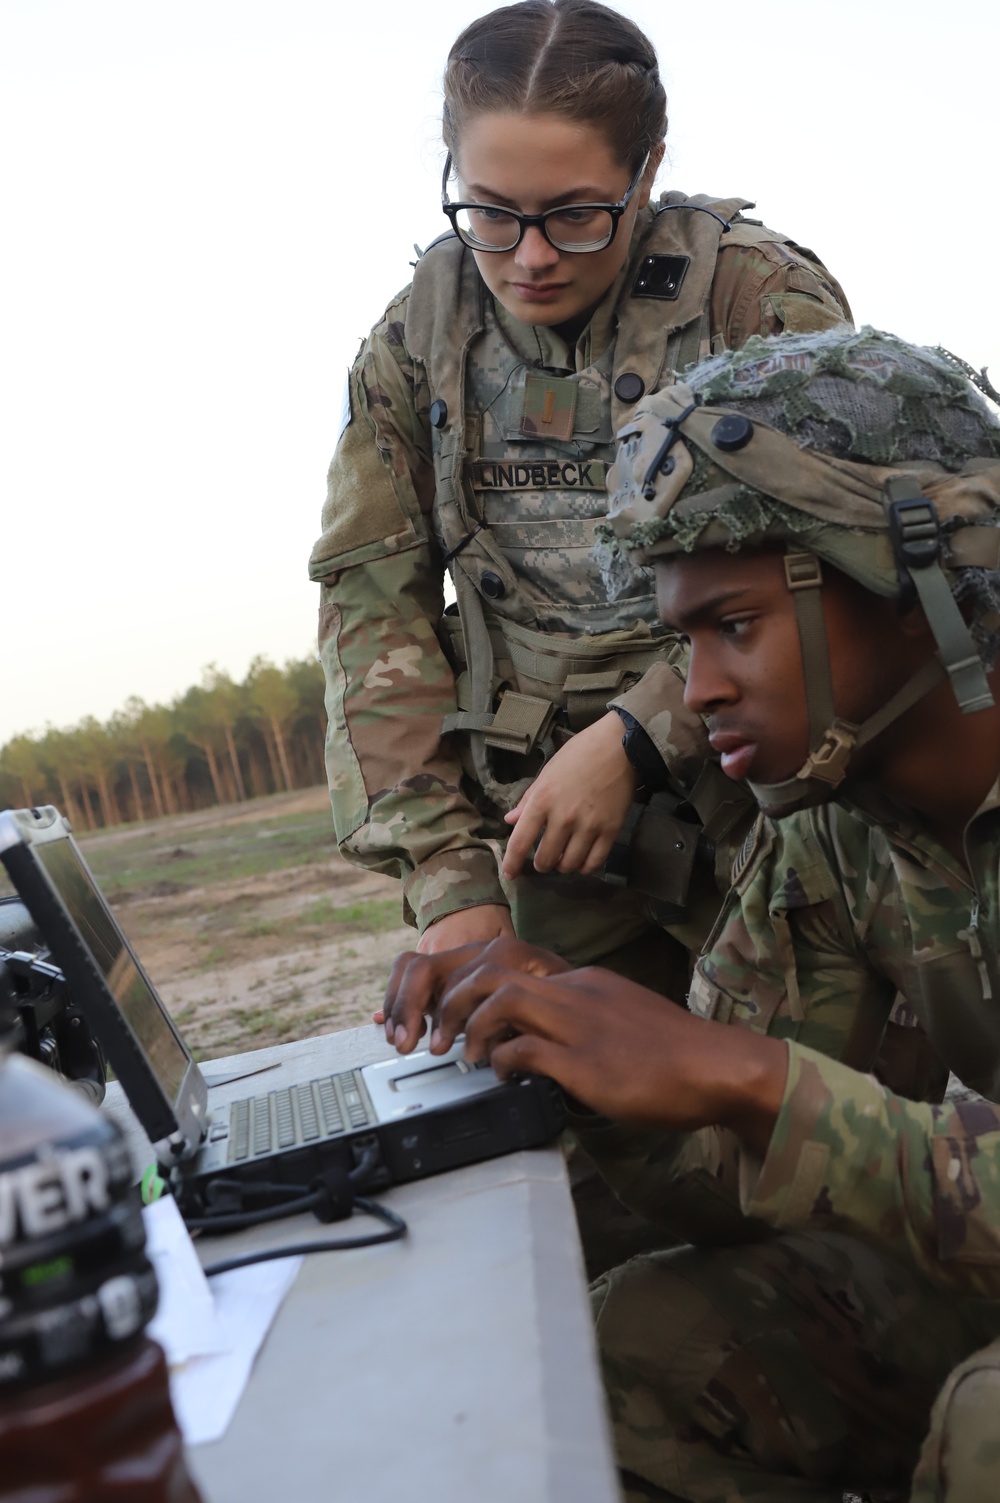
{"type": "Point", "coordinates": [520, 460]}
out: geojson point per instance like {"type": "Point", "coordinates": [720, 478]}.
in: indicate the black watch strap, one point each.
{"type": "Point", "coordinates": [641, 751]}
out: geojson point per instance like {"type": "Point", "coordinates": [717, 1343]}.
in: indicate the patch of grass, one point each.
{"type": "Point", "coordinates": [319, 913]}
{"type": "Point", "coordinates": [259, 928]}
{"type": "Point", "coordinates": [375, 916]}
{"type": "Point", "coordinates": [256, 1020]}
{"type": "Point", "coordinates": [209, 856]}
{"type": "Point", "coordinates": [314, 1015]}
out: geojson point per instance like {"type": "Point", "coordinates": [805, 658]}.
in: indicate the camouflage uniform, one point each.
{"type": "Point", "coordinates": [812, 1360]}
{"type": "Point", "coordinates": [406, 799]}
{"type": "Point", "coordinates": [759, 1366]}
{"type": "Point", "coordinates": [830, 916]}
{"type": "Point", "coordinates": [920, 1184]}
{"type": "Point", "coordinates": [834, 913]}
{"type": "Point", "coordinates": [835, 910]}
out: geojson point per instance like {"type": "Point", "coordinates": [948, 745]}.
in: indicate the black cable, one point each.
{"type": "Point", "coordinates": [331, 1197]}
{"type": "Point", "coordinates": [727, 224]}
{"type": "Point", "coordinates": [241, 1221]}
{"type": "Point", "coordinates": [366, 1165]}
{"type": "Point", "coordinates": [396, 1224]}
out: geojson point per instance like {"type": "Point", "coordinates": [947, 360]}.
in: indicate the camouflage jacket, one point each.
{"type": "Point", "coordinates": [836, 910]}
{"type": "Point", "coordinates": [402, 800]}
{"type": "Point", "coordinates": [838, 916]}
{"type": "Point", "coordinates": [922, 1183]}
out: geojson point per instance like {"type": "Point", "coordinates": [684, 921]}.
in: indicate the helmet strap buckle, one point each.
{"type": "Point", "coordinates": [916, 542]}
{"type": "Point", "coordinates": [829, 760]}
{"type": "Point", "coordinates": [803, 571]}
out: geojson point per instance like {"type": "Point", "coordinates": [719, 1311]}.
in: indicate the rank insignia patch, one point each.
{"type": "Point", "coordinates": [549, 409]}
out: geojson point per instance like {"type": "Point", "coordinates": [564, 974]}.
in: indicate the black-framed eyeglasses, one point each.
{"type": "Point", "coordinates": [577, 228]}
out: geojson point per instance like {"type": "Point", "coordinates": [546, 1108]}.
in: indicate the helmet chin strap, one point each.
{"type": "Point", "coordinates": [832, 741]}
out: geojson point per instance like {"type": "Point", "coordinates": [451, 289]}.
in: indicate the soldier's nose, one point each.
{"type": "Point", "coordinates": [705, 689]}
{"type": "Point", "coordinates": [534, 252]}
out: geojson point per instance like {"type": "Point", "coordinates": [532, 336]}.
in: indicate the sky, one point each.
{"type": "Point", "coordinates": [208, 203]}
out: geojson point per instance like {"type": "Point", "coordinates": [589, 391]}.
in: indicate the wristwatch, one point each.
{"type": "Point", "coordinates": [641, 751]}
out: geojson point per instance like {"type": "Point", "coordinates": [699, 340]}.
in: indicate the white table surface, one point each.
{"type": "Point", "coordinates": [455, 1366]}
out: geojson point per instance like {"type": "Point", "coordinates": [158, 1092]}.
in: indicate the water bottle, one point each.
{"type": "Point", "coordinates": [85, 1412]}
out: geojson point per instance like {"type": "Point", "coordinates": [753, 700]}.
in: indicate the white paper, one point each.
{"type": "Point", "coordinates": [186, 1323]}
{"type": "Point", "coordinates": [211, 1331]}
{"type": "Point", "coordinates": [207, 1390]}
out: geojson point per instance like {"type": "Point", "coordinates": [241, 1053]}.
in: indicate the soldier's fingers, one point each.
{"type": "Point", "coordinates": [579, 1074]}
{"type": "Point", "coordinates": [456, 999]}
{"type": "Point", "coordinates": [577, 850]}
{"type": "Point", "coordinates": [511, 954]}
{"type": "Point", "coordinates": [508, 1003]}
{"type": "Point", "coordinates": [385, 1013]}
{"type": "Point", "coordinates": [598, 854]}
{"type": "Point", "coordinates": [467, 990]}
{"type": "Point", "coordinates": [413, 993]}
{"type": "Point", "coordinates": [530, 824]}
{"type": "Point", "coordinates": [527, 1054]}
{"type": "Point", "coordinates": [558, 834]}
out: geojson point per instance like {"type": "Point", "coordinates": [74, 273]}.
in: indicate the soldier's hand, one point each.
{"type": "Point", "coordinates": [620, 1049]}
{"type": "Point", "coordinates": [418, 984]}
{"type": "Point", "coordinates": [469, 926]}
{"type": "Point", "coordinates": [577, 804]}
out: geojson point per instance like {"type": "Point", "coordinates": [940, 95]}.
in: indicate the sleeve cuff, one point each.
{"type": "Point", "coordinates": [818, 1146]}
{"type": "Point", "coordinates": [451, 881]}
{"type": "Point", "coordinates": [656, 702]}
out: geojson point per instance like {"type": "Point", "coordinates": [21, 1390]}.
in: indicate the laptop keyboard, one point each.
{"type": "Point", "coordinates": [298, 1114]}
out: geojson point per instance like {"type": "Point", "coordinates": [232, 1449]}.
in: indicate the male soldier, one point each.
{"type": "Point", "coordinates": [814, 509]}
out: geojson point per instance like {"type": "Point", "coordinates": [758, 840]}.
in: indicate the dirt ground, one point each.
{"type": "Point", "coordinates": [253, 928]}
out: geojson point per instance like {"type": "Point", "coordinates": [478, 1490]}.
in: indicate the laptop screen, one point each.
{"type": "Point", "coordinates": [109, 949]}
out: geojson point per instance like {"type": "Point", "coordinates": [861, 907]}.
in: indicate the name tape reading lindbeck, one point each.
{"type": "Point", "coordinates": [539, 475]}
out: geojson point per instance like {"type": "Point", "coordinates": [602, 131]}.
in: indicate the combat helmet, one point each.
{"type": "Point", "coordinates": [851, 448]}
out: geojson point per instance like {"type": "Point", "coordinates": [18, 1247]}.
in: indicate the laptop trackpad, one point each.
{"type": "Point", "coordinates": [421, 1082]}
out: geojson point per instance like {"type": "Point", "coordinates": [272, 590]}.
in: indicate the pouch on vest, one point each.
{"type": "Point", "coordinates": [658, 853]}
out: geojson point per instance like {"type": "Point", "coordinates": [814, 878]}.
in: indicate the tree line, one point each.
{"type": "Point", "coordinates": [220, 742]}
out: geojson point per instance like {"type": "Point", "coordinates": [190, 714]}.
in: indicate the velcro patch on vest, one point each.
{"type": "Point", "coordinates": [661, 277]}
{"type": "Point", "coordinates": [549, 409]}
{"type": "Point", "coordinates": [539, 475]}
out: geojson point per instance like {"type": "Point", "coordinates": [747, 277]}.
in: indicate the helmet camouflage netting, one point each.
{"type": "Point", "coordinates": [817, 423]}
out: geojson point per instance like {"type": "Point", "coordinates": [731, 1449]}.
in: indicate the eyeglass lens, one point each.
{"type": "Point", "coordinates": [571, 229]}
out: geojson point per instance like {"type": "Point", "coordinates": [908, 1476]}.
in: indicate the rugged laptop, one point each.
{"type": "Point", "coordinates": [420, 1114]}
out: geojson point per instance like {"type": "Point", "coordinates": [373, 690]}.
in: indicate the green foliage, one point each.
{"type": "Point", "coordinates": [376, 916]}
{"type": "Point", "coordinates": [219, 742]}
{"type": "Point", "coordinates": [151, 865]}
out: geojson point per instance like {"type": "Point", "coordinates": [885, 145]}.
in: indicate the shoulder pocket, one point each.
{"type": "Point", "coordinates": [800, 313]}
{"type": "Point", "coordinates": [363, 518]}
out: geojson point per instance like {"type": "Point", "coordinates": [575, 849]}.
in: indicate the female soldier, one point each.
{"type": "Point", "coordinates": [483, 409]}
